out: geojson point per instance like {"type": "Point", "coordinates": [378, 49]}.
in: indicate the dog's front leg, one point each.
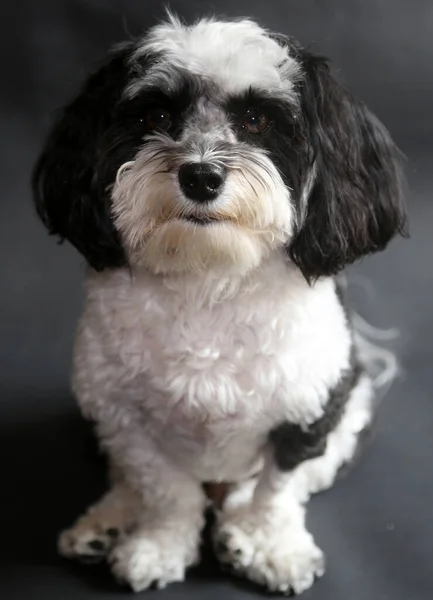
{"type": "Point", "coordinates": [147, 525]}
{"type": "Point", "coordinates": [265, 539]}
{"type": "Point", "coordinates": [166, 540]}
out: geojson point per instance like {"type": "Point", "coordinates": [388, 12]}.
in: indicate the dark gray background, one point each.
{"type": "Point", "coordinates": [376, 526]}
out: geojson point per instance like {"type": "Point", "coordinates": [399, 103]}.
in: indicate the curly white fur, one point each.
{"type": "Point", "coordinates": [234, 54]}
{"type": "Point", "coordinates": [185, 376]}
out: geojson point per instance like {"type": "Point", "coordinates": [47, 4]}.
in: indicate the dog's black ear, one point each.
{"type": "Point", "coordinates": [356, 202]}
{"type": "Point", "coordinates": [67, 197]}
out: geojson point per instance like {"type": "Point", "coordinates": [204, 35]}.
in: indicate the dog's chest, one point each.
{"type": "Point", "coordinates": [204, 361]}
{"type": "Point", "coordinates": [206, 380]}
{"type": "Point", "coordinates": [211, 378]}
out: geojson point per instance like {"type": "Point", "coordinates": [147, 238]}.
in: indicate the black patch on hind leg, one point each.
{"type": "Point", "coordinates": [293, 444]}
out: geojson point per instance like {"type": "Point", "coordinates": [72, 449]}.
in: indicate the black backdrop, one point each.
{"type": "Point", "coordinates": [376, 526]}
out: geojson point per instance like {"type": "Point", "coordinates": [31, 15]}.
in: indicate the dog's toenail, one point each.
{"type": "Point", "coordinates": [90, 559]}
{"type": "Point", "coordinates": [221, 547]}
{"type": "Point", "coordinates": [112, 532]}
{"type": "Point", "coordinates": [224, 537]}
{"type": "Point", "coordinates": [97, 545]}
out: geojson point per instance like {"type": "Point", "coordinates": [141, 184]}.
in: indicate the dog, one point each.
{"type": "Point", "coordinates": [217, 178]}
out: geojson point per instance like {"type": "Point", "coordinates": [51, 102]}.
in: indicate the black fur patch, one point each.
{"type": "Point", "coordinates": [94, 135]}
{"type": "Point", "coordinates": [356, 204]}
{"type": "Point", "coordinates": [124, 137]}
{"type": "Point", "coordinates": [67, 195]}
{"type": "Point", "coordinates": [293, 444]}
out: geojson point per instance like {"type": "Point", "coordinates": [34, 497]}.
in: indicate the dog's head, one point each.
{"type": "Point", "coordinates": [218, 144]}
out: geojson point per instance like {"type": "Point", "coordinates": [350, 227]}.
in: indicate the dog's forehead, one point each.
{"type": "Point", "coordinates": [234, 55]}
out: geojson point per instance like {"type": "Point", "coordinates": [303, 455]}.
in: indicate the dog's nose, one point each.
{"type": "Point", "coordinates": [201, 181]}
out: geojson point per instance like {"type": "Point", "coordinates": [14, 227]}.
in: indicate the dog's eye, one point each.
{"type": "Point", "coordinates": [158, 119]}
{"type": "Point", "coordinates": [255, 121]}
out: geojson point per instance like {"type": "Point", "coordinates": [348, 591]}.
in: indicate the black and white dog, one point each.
{"type": "Point", "coordinates": [217, 177]}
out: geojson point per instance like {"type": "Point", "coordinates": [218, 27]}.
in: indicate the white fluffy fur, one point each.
{"type": "Point", "coordinates": [185, 375]}
{"type": "Point", "coordinates": [254, 211]}
{"type": "Point", "coordinates": [235, 55]}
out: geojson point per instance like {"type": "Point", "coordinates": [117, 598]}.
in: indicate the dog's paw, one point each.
{"type": "Point", "coordinates": [87, 545]}
{"type": "Point", "coordinates": [103, 526]}
{"type": "Point", "coordinates": [275, 554]}
{"type": "Point", "coordinates": [92, 537]}
{"type": "Point", "coordinates": [153, 560]}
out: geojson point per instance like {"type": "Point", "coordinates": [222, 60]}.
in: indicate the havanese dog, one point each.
{"type": "Point", "coordinates": [217, 178]}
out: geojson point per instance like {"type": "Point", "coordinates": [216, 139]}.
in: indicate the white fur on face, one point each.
{"type": "Point", "coordinates": [252, 217]}
{"type": "Point", "coordinates": [235, 55]}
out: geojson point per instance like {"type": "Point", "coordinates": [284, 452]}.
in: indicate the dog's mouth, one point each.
{"type": "Point", "coordinates": [203, 219]}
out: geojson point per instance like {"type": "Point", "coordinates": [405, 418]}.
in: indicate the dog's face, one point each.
{"type": "Point", "coordinates": [217, 145]}
{"type": "Point", "coordinates": [205, 185]}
